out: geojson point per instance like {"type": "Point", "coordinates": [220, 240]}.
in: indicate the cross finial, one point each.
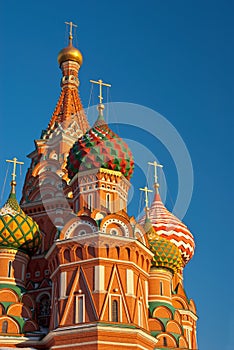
{"type": "Point", "coordinates": [15, 162]}
{"type": "Point", "coordinates": [101, 84]}
{"type": "Point", "coordinates": [156, 166]}
{"type": "Point", "coordinates": [146, 190]}
{"type": "Point", "coordinates": [71, 25]}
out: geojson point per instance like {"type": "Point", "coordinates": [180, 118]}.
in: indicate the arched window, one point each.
{"type": "Point", "coordinates": [9, 268]}
{"type": "Point", "coordinates": [43, 310]}
{"type": "Point", "coordinates": [4, 326]}
{"type": "Point", "coordinates": [67, 256]}
{"type": "Point", "coordinates": [115, 311]}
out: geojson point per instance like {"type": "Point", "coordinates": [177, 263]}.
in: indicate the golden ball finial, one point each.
{"type": "Point", "coordinates": [70, 53]}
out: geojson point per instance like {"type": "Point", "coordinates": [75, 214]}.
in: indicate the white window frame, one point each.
{"type": "Point", "coordinates": [99, 278]}
{"type": "Point", "coordinates": [90, 201]}
{"type": "Point", "coordinates": [140, 313]}
{"type": "Point", "coordinates": [79, 318]}
{"type": "Point", "coordinates": [63, 284]}
{"type": "Point", "coordinates": [119, 299]}
{"type": "Point", "coordinates": [130, 281]}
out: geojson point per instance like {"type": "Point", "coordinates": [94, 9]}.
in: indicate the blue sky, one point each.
{"type": "Point", "coordinates": [175, 57]}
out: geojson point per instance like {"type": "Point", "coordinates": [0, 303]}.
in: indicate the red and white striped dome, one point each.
{"type": "Point", "coordinates": [170, 227]}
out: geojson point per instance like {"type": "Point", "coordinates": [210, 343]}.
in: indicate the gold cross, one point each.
{"type": "Point", "coordinates": [71, 24]}
{"type": "Point", "coordinates": [156, 165]}
{"type": "Point", "coordinates": [14, 161]}
{"type": "Point", "coordinates": [146, 190]}
{"type": "Point", "coordinates": [101, 84]}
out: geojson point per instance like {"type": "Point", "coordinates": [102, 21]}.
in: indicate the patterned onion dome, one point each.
{"type": "Point", "coordinates": [17, 230]}
{"type": "Point", "coordinates": [170, 227]}
{"type": "Point", "coordinates": [166, 254]}
{"type": "Point", "coordinates": [100, 147]}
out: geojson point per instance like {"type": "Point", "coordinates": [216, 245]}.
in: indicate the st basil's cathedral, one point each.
{"type": "Point", "coordinates": [76, 271]}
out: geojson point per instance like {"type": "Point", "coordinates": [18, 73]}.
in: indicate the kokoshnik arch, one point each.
{"type": "Point", "coordinates": [77, 272]}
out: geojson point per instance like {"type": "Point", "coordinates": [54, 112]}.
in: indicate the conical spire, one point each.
{"type": "Point", "coordinates": [69, 110]}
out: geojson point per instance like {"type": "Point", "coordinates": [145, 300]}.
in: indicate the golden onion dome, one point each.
{"type": "Point", "coordinates": [70, 53]}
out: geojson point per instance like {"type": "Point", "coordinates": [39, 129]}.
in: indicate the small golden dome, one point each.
{"type": "Point", "coordinates": [70, 53]}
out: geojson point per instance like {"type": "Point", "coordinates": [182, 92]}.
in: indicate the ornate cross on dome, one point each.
{"type": "Point", "coordinates": [156, 166]}
{"type": "Point", "coordinates": [101, 84]}
{"type": "Point", "coordinates": [71, 24]}
{"type": "Point", "coordinates": [14, 161]}
{"type": "Point", "coordinates": [146, 190]}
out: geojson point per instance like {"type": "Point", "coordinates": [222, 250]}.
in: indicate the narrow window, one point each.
{"type": "Point", "coordinates": [146, 291]}
{"type": "Point", "coordinates": [164, 341]}
{"type": "Point", "coordinates": [63, 284]}
{"type": "Point", "coordinates": [23, 272]}
{"type": "Point", "coordinates": [79, 314]}
{"type": "Point", "coordinates": [56, 316]}
{"type": "Point", "coordinates": [99, 277]}
{"type": "Point", "coordinates": [140, 313]}
{"type": "Point", "coordinates": [130, 281]}
{"type": "Point", "coordinates": [114, 311]}
{"type": "Point", "coordinates": [9, 268]}
{"type": "Point", "coordinates": [161, 288]}
{"type": "Point", "coordinates": [4, 326]}
{"type": "Point", "coordinates": [108, 201]}
{"type": "Point", "coordinates": [90, 201]}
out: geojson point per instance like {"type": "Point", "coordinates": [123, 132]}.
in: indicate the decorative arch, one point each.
{"type": "Point", "coordinates": [174, 327]}
{"type": "Point", "coordinates": [77, 224]}
{"type": "Point", "coordinates": [139, 233]}
{"type": "Point", "coordinates": [19, 309]}
{"type": "Point", "coordinates": [66, 256]}
{"type": "Point", "coordinates": [166, 340]}
{"type": "Point", "coordinates": [183, 342]}
{"type": "Point", "coordinates": [2, 310]}
{"type": "Point", "coordinates": [8, 295]}
{"type": "Point", "coordinates": [179, 302]}
{"type": "Point", "coordinates": [30, 326]}
{"type": "Point", "coordinates": [79, 253]}
{"type": "Point", "coordinates": [192, 306]}
{"type": "Point", "coordinates": [177, 317]}
{"type": "Point", "coordinates": [118, 223]}
{"type": "Point", "coordinates": [162, 312]}
{"type": "Point", "coordinates": [156, 325]}
{"type": "Point", "coordinates": [9, 325]}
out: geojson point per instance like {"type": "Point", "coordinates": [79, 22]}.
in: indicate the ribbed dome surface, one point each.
{"type": "Point", "coordinates": [18, 230]}
{"type": "Point", "coordinates": [100, 147]}
{"type": "Point", "coordinates": [166, 254]}
{"type": "Point", "coordinates": [170, 227]}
